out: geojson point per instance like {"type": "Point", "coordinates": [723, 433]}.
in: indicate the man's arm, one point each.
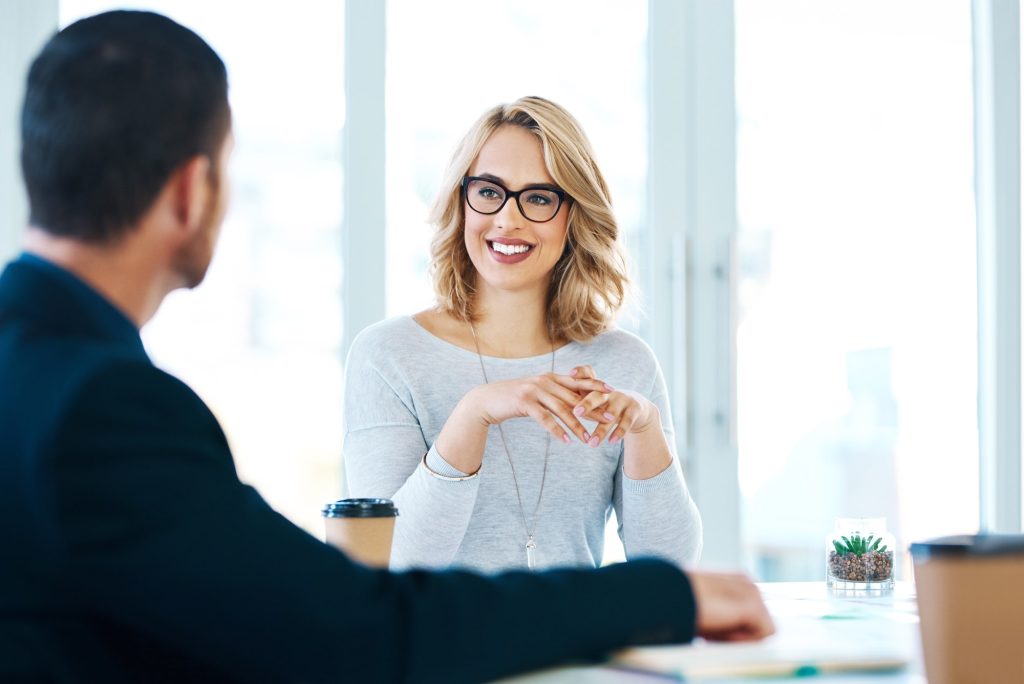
{"type": "Point", "coordinates": [160, 536]}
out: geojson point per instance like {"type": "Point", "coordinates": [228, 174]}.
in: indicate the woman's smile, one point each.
{"type": "Point", "coordinates": [509, 251]}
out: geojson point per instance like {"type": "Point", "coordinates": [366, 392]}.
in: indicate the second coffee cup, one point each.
{"type": "Point", "coordinates": [362, 528]}
{"type": "Point", "coordinates": [971, 607]}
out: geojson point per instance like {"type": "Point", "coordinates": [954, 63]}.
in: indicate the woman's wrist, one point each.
{"type": "Point", "coordinates": [646, 451]}
{"type": "Point", "coordinates": [464, 435]}
{"type": "Point", "coordinates": [471, 411]}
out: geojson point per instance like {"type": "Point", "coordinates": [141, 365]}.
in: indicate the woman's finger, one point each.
{"type": "Point", "coordinates": [583, 373]}
{"type": "Point", "coordinates": [616, 436]}
{"type": "Point", "coordinates": [591, 402]}
{"type": "Point", "coordinates": [560, 402]}
{"type": "Point", "coordinates": [599, 415]}
{"type": "Point", "coordinates": [607, 415]}
{"type": "Point", "coordinates": [617, 417]}
{"type": "Point", "coordinates": [548, 422]}
{"type": "Point", "coordinates": [583, 385]}
{"type": "Point", "coordinates": [554, 405]}
{"type": "Point", "coordinates": [626, 421]}
{"type": "Point", "coordinates": [600, 431]}
{"type": "Point", "coordinates": [561, 392]}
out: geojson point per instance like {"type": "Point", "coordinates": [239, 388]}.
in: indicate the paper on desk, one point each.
{"type": "Point", "coordinates": [850, 609]}
{"type": "Point", "coordinates": [802, 646]}
{"type": "Point", "coordinates": [713, 661]}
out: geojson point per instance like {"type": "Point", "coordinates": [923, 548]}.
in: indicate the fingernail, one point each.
{"type": "Point", "coordinates": [613, 439]}
{"type": "Point", "coordinates": [608, 387]}
{"type": "Point", "coordinates": [578, 411]}
{"type": "Point", "coordinates": [586, 436]}
{"type": "Point", "coordinates": [565, 438]}
{"type": "Point", "coordinates": [594, 441]}
{"type": "Point", "coordinates": [574, 371]}
{"type": "Point", "coordinates": [608, 416]}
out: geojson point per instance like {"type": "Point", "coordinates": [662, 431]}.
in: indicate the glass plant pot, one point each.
{"type": "Point", "coordinates": [859, 556]}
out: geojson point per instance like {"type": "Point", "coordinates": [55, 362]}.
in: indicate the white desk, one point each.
{"type": "Point", "coordinates": [804, 613]}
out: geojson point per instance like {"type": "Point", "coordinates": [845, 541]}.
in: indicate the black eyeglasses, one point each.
{"type": "Point", "coordinates": [538, 203]}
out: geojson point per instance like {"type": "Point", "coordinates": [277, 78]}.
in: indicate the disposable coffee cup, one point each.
{"type": "Point", "coordinates": [971, 607]}
{"type": "Point", "coordinates": [362, 528]}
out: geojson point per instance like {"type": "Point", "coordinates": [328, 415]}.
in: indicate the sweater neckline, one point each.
{"type": "Point", "coordinates": [445, 344]}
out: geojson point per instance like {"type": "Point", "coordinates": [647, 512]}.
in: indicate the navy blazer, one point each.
{"type": "Point", "coordinates": [132, 552]}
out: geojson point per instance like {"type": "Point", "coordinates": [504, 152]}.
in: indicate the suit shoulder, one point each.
{"type": "Point", "coordinates": [124, 393]}
{"type": "Point", "coordinates": [137, 382]}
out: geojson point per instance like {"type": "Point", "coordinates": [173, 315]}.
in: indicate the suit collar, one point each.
{"type": "Point", "coordinates": [34, 289]}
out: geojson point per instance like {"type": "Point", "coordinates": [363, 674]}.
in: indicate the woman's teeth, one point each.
{"type": "Point", "coordinates": [509, 249]}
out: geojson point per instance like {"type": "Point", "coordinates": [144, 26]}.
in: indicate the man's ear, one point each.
{"type": "Point", "coordinates": [192, 192]}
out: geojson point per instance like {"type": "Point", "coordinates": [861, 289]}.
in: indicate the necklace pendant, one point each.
{"type": "Point", "coordinates": [531, 558]}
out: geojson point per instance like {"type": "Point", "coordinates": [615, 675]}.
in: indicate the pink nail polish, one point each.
{"type": "Point", "coordinates": [594, 441]}
{"type": "Point", "coordinates": [586, 437]}
{"type": "Point", "coordinates": [578, 411]}
{"type": "Point", "coordinates": [565, 438]}
{"type": "Point", "coordinates": [608, 388]}
{"type": "Point", "coordinates": [573, 372]}
{"type": "Point", "coordinates": [613, 439]}
{"type": "Point", "coordinates": [608, 416]}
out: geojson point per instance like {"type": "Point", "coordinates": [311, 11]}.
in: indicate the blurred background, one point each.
{"type": "Point", "coordinates": [797, 186]}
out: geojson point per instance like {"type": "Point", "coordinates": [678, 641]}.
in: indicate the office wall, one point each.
{"type": "Point", "coordinates": [25, 26]}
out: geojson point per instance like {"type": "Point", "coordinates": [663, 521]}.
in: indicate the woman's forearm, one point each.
{"type": "Point", "coordinates": [646, 452]}
{"type": "Point", "coordinates": [463, 438]}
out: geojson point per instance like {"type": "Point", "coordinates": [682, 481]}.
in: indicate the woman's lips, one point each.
{"type": "Point", "coordinates": [514, 247]}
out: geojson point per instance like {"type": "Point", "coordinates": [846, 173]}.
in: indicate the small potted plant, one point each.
{"type": "Point", "coordinates": [859, 555]}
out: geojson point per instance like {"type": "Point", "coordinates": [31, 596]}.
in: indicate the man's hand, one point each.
{"type": "Point", "coordinates": [729, 607]}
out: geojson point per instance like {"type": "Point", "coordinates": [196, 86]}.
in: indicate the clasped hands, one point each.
{"type": "Point", "coordinates": [569, 398]}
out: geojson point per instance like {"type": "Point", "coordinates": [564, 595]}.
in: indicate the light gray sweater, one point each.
{"type": "Point", "coordinates": [401, 385]}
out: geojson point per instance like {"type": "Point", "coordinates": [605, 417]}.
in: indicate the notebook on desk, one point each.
{"type": "Point", "coordinates": [812, 638]}
{"type": "Point", "coordinates": [765, 659]}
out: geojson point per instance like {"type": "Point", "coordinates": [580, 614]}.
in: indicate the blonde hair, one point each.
{"type": "Point", "coordinates": [588, 284]}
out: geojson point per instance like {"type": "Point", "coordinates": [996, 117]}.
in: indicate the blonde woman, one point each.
{"type": "Point", "coordinates": [511, 419]}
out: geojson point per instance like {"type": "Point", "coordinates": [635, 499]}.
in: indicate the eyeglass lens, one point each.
{"type": "Point", "coordinates": [536, 204]}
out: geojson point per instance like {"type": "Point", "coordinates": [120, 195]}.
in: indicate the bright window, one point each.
{"type": "Point", "coordinates": [857, 321]}
{"type": "Point", "coordinates": [494, 53]}
{"type": "Point", "coordinates": [260, 339]}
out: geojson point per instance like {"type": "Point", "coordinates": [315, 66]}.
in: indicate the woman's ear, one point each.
{"type": "Point", "coordinates": [192, 192]}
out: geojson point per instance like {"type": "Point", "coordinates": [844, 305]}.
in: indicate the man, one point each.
{"type": "Point", "coordinates": [133, 551]}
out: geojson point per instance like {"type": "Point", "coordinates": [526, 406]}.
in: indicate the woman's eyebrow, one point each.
{"type": "Point", "coordinates": [491, 177]}
{"type": "Point", "coordinates": [544, 186]}
{"type": "Point", "coordinates": [501, 181]}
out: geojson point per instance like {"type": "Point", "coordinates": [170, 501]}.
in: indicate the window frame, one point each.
{"type": "Point", "coordinates": [25, 27]}
{"type": "Point", "coordinates": [996, 47]}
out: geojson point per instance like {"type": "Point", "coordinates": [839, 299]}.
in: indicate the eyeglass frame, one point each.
{"type": "Point", "coordinates": [561, 194]}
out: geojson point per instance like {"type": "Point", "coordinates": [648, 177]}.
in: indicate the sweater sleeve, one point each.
{"type": "Point", "coordinates": [383, 456]}
{"type": "Point", "coordinates": [657, 516]}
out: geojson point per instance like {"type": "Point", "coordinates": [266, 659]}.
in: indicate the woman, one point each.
{"type": "Point", "coordinates": [508, 422]}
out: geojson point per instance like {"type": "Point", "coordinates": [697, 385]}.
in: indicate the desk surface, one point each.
{"type": "Point", "coordinates": [803, 612]}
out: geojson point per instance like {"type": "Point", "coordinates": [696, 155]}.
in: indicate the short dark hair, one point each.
{"type": "Point", "coordinates": [114, 104]}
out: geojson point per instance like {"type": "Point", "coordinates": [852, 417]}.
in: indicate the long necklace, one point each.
{"type": "Point", "coordinates": [531, 545]}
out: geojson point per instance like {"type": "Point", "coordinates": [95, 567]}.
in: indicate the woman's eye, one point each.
{"type": "Point", "coordinates": [489, 193]}
{"type": "Point", "coordinates": [538, 198]}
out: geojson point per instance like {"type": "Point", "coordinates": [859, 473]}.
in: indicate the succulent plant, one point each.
{"type": "Point", "coordinates": [859, 545]}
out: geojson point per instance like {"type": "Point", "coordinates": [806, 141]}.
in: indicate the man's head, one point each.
{"type": "Point", "coordinates": [115, 106]}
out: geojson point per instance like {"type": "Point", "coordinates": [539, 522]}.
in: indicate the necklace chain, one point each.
{"type": "Point", "coordinates": [530, 544]}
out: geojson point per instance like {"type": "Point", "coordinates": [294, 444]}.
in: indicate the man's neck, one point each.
{"type": "Point", "coordinates": [122, 273]}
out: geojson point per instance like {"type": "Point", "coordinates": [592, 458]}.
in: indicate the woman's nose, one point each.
{"type": "Point", "coordinates": [510, 217]}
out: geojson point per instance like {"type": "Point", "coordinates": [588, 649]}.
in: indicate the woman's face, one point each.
{"type": "Point", "coordinates": [510, 252]}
